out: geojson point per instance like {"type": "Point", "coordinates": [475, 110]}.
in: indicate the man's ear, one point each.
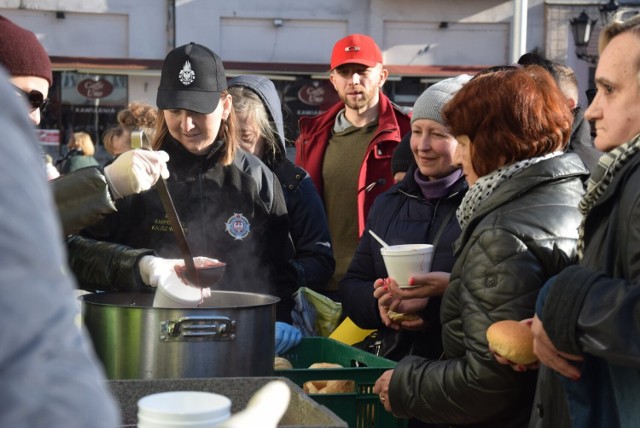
{"type": "Point", "coordinates": [384, 73]}
{"type": "Point", "coordinates": [332, 78]}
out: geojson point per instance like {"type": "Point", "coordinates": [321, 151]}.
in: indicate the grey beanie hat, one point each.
{"type": "Point", "coordinates": [430, 103]}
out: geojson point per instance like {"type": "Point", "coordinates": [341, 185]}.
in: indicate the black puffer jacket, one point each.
{"type": "Point", "coordinates": [522, 235]}
{"type": "Point", "coordinates": [401, 215]}
{"type": "Point", "coordinates": [82, 198]}
{"type": "Point", "coordinates": [233, 213]}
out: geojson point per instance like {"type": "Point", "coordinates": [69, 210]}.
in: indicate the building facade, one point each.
{"type": "Point", "coordinates": [106, 53]}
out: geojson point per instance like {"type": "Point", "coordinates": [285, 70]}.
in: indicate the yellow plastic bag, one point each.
{"type": "Point", "coordinates": [328, 311]}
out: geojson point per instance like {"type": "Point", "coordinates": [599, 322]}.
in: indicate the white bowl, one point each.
{"type": "Point", "coordinates": [191, 409]}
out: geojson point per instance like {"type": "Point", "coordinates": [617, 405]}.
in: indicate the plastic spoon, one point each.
{"type": "Point", "coordinates": [379, 239]}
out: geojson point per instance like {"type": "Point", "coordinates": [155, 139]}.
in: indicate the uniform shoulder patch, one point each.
{"type": "Point", "coordinates": [238, 226]}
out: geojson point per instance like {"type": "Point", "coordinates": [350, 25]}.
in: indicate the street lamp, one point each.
{"type": "Point", "coordinates": [607, 10]}
{"type": "Point", "coordinates": [582, 27]}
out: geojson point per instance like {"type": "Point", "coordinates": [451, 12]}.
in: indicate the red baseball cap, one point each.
{"type": "Point", "coordinates": [356, 49]}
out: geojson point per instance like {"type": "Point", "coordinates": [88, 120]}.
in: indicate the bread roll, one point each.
{"type": "Point", "coordinates": [399, 316]}
{"type": "Point", "coordinates": [314, 386]}
{"type": "Point", "coordinates": [325, 366]}
{"type": "Point", "coordinates": [339, 387]}
{"type": "Point", "coordinates": [328, 386]}
{"type": "Point", "coordinates": [280, 363]}
{"type": "Point", "coordinates": [512, 340]}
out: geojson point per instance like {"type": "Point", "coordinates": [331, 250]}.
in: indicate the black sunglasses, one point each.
{"type": "Point", "coordinates": [35, 98]}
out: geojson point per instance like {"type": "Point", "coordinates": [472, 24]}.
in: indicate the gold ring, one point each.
{"type": "Point", "coordinates": [382, 398]}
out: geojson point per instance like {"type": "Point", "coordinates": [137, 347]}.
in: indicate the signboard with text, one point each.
{"type": "Point", "coordinates": [49, 137]}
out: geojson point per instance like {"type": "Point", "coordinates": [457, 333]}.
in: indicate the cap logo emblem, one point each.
{"type": "Point", "coordinates": [352, 49]}
{"type": "Point", "coordinates": [187, 75]}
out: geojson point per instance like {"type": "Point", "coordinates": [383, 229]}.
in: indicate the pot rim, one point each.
{"type": "Point", "coordinates": [242, 300]}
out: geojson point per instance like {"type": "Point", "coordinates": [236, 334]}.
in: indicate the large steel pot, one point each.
{"type": "Point", "coordinates": [230, 334]}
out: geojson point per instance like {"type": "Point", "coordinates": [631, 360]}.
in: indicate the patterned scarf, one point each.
{"type": "Point", "coordinates": [608, 165]}
{"type": "Point", "coordinates": [485, 186]}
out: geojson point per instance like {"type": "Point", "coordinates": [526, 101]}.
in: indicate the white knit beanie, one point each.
{"type": "Point", "coordinates": [430, 103]}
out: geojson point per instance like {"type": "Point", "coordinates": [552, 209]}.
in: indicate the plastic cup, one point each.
{"type": "Point", "coordinates": [174, 293]}
{"type": "Point", "coordinates": [192, 409]}
{"type": "Point", "coordinates": [404, 261]}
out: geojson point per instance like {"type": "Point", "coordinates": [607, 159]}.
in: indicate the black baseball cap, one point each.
{"type": "Point", "coordinates": [192, 79]}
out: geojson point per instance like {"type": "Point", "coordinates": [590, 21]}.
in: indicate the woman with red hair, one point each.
{"type": "Point", "coordinates": [519, 223]}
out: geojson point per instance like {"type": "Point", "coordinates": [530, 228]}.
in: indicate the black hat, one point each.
{"type": "Point", "coordinates": [402, 157]}
{"type": "Point", "coordinates": [192, 79]}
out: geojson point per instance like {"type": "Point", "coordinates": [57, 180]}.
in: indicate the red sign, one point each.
{"type": "Point", "coordinates": [312, 95]}
{"type": "Point", "coordinates": [49, 136]}
{"type": "Point", "coordinates": [95, 88]}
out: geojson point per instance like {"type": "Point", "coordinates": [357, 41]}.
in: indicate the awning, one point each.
{"type": "Point", "coordinates": [152, 67]}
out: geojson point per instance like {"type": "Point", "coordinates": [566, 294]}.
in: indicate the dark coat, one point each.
{"type": "Point", "coordinates": [581, 142]}
{"type": "Point", "coordinates": [75, 161]}
{"type": "Point", "coordinates": [401, 215]}
{"type": "Point", "coordinates": [593, 310]}
{"type": "Point", "coordinates": [313, 257]}
{"type": "Point", "coordinates": [524, 233]}
{"type": "Point", "coordinates": [216, 204]}
{"type": "Point", "coordinates": [82, 198]}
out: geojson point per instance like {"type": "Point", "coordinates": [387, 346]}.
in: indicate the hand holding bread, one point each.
{"type": "Point", "coordinates": [513, 341]}
{"type": "Point", "coordinates": [401, 316]}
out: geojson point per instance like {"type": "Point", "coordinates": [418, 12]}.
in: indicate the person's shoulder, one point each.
{"type": "Point", "coordinates": [250, 164]}
{"type": "Point", "coordinates": [391, 196]}
{"type": "Point", "coordinates": [290, 175]}
{"type": "Point", "coordinates": [396, 108]}
{"type": "Point", "coordinates": [321, 120]}
{"type": "Point", "coordinates": [627, 178]}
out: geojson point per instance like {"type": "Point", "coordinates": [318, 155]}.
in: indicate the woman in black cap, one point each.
{"type": "Point", "coordinates": [231, 204]}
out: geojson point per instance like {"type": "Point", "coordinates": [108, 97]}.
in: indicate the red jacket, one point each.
{"type": "Point", "coordinates": [375, 171]}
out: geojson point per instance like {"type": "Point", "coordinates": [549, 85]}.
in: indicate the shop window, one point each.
{"type": "Point", "coordinates": [82, 102]}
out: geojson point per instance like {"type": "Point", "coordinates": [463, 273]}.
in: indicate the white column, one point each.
{"type": "Point", "coordinates": [519, 29]}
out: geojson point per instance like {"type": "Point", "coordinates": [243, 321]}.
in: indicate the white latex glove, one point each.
{"type": "Point", "coordinates": [135, 171]}
{"type": "Point", "coordinates": [155, 269]}
{"type": "Point", "coordinates": [265, 409]}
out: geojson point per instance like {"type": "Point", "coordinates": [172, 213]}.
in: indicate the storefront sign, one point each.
{"type": "Point", "coordinates": [49, 136]}
{"type": "Point", "coordinates": [95, 88]}
{"type": "Point", "coordinates": [313, 95]}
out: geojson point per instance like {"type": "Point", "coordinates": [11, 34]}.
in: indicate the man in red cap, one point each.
{"type": "Point", "coordinates": [347, 149]}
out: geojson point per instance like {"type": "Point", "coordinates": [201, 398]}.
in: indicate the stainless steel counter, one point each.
{"type": "Point", "coordinates": [302, 412]}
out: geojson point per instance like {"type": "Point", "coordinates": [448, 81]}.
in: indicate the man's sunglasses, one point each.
{"type": "Point", "coordinates": [35, 98]}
